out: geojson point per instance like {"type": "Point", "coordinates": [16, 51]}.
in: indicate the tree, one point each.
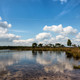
{"type": "Point", "coordinates": [69, 43]}
{"type": "Point", "coordinates": [40, 45]}
{"type": "Point", "coordinates": [62, 45]}
{"type": "Point", "coordinates": [57, 45]}
{"type": "Point", "coordinates": [34, 45]}
{"type": "Point", "coordinates": [74, 45]}
{"type": "Point", "coordinates": [50, 45]}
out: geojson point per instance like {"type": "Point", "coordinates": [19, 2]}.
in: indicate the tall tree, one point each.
{"type": "Point", "coordinates": [69, 43]}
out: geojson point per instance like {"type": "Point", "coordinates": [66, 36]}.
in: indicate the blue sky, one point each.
{"type": "Point", "coordinates": [29, 17]}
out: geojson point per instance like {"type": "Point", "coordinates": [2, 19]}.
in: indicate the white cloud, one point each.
{"type": "Point", "coordinates": [69, 30]}
{"type": "Point", "coordinates": [53, 28]}
{"type": "Point", "coordinates": [27, 42]}
{"type": "Point", "coordinates": [24, 41]}
{"type": "Point", "coordinates": [2, 30]}
{"type": "Point", "coordinates": [59, 37]}
{"type": "Point", "coordinates": [77, 38]}
{"type": "Point", "coordinates": [78, 35]}
{"type": "Point", "coordinates": [5, 24]}
{"type": "Point", "coordinates": [42, 36]}
{"type": "Point", "coordinates": [6, 37]}
{"type": "Point", "coordinates": [59, 29]}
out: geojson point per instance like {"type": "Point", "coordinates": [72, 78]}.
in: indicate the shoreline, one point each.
{"type": "Point", "coordinates": [70, 51]}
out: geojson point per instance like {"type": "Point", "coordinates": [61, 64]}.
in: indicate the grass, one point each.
{"type": "Point", "coordinates": [76, 67]}
{"type": "Point", "coordinates": [75, 52]}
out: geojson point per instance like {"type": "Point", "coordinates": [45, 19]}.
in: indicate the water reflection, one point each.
{"type": "Point", "coordinates": [12, 57]}
{"type": "Point", "coordinates": [51, 61]}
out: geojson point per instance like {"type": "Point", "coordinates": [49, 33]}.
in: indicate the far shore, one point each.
{"type": "Point", "coordinates": [39, 48]}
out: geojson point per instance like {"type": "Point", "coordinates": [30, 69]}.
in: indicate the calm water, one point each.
{"type": "Point", "coordinates": [37, 65]}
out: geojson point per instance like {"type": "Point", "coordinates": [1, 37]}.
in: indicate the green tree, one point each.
{"type": "Point", "coordinates": [40, 45]}
{"type": "Point", "coordinates": [69, 43]}
{"type": "Point", "coordinates": [34, 45]}
{"type": "Point", "coordinates": [57, 45]}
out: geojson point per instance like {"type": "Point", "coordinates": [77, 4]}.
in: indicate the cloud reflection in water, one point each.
{"type": "Point", "coordinates": [51, 61]}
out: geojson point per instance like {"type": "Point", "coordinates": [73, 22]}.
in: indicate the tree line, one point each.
{"type": "Point", "coordinates": [69, 43]}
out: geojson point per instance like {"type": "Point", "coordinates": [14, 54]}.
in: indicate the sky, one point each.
{"type": "Point", "coordinates": [23, 22]}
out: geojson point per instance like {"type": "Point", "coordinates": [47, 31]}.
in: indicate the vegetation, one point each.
{"type": "Point", "coordinates": [69, 43]}
{"type": "Point", "coordinates": [73, 52]}
{"type": "Point", "coordinates": [40, 45]}
{"type": "Point", "coordinates": [34, 45]}
{"type": "Point", "coordinates": [76, 67]}
{"type": "Point", "coordinates": [74, 45]}
{"type": "Point", "coordinates": [57, 45]}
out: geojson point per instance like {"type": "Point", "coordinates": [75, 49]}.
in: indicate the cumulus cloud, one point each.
{"type": "Point", "coordinates": [77, 37]}
{"type": "Point", "coordinates": [5, 36]}
{"type": "Point", "coordinates": [42, 36]}
{"type": "Point", "coordinates": [53, 28]}
{"type": "Point", "coordinates": [59, 37]}
{"type": "Point", "coordinates": [5, 24]}
{"type": "Point", "coordinates": [69, 30]}
{"type": "Point", "coordinates": [59, 29]}
{"type": "Point", "coordinates": [39, 38]}
{"type": "Point", "coordinates": [2, 30]}
{"type": "Point", "coordinates": [8, 37]}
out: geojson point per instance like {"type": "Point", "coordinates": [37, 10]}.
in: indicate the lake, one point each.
{"type": "Point", "coordinates": [37, 65]}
